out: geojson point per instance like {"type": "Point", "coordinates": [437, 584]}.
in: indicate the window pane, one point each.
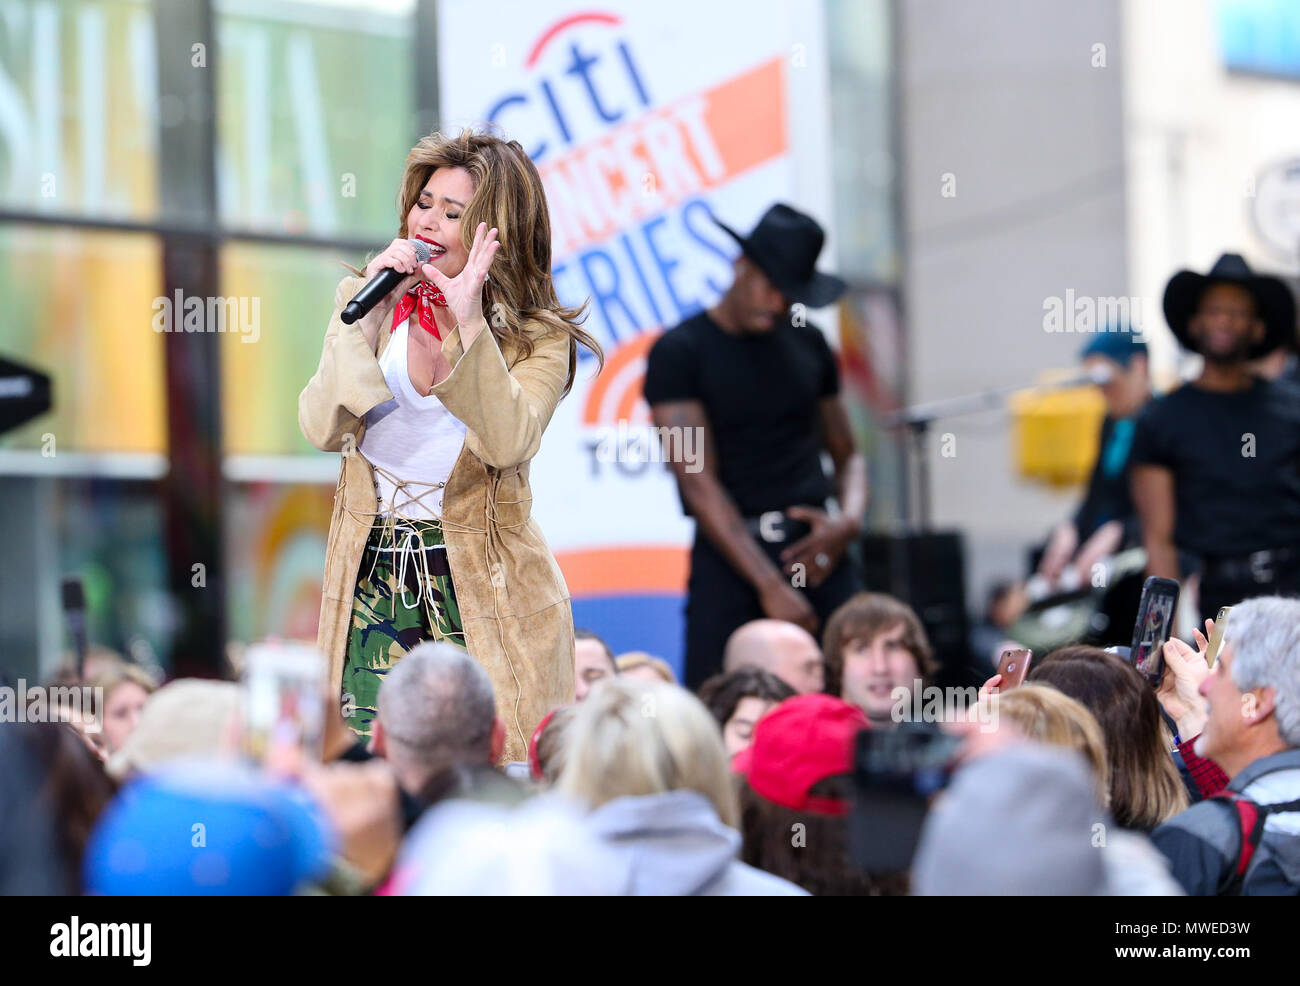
{"type": "Point", "coordinates": [78, 108]}
{"type": "Point", "coordinates": [111, 534]}
{"type": "Point", "coordinates": [315, 116]}
{"type": "Point", "coordinates": [81, 307]}
{"type": "Point", "coordinates": [106, 532]}
{"type": "Point", "coordinates": [275, 540]}
{"type": "Point", "coordinates": [288, 294]}
{"type": "Point", "coordinates": [858, 34]}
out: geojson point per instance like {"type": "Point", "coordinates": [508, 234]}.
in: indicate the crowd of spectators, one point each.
{"type": "Point", "coordinates": [1085, 779]}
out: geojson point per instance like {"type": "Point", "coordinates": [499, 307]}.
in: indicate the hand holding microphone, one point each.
{"type": "Point", "coordinates": [392, 273]}
{"type": "Point", "coordinates": [398, 268]}
{"type": "Point", "coordinates": [400, 255]}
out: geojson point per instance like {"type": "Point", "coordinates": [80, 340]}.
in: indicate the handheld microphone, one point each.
{"type": "Point", "coordinates": [74, 611]}
{"type": "Point", "coordinates": [380, 285]}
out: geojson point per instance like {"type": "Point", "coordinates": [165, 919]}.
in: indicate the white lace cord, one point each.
{"type": "Point", "coordinates": [402, 485]}
{"type": "Point", "coordinates": [489, 517]}
{"type": "Point", "coordinates": [369, 516]}
{"type": "Point", "coordinates": [412, 544]}
{"type": "Point", "coordinates": [411, 541]}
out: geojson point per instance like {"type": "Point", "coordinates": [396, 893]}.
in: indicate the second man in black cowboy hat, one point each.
{"type": "Point", "coordinates": [1216, 463]}
{"type": "Point", "coordinates": [762, 388]}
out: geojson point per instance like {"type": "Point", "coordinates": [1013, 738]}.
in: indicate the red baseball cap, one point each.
{"type": "Point", "coordinates": [803, 740]}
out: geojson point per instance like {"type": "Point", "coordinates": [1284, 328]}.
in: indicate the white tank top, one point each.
{"type": "Point", "coordinates": [413, 438]}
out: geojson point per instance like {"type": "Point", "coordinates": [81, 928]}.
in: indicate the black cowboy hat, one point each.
{"type": "Point", "coordinates": [1274, 302]}
{"type": "Point", "coordinates": [785, 245]}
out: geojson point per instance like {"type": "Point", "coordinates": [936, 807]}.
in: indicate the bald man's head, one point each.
{"type": "Point", "coordinates": [786, 650]}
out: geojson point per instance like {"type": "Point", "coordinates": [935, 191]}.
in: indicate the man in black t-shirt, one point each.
{"type": "Point", "coordinates": [1216, 463]}
{"type": "Point", "coordinates": [762, 389]}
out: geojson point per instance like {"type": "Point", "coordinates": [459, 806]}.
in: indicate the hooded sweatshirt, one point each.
{"type": "Point", "coordinates": [670, 844]}
{"type": "Point", "coordinates": [674, 844]}
{"type": "Point", "coordinates": [540, 847]}
{"type": "Point", "coordinates": [1017, 822]}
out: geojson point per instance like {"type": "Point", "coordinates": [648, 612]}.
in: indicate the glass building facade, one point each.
{"type": "Point", "coordinates": [167, 168]}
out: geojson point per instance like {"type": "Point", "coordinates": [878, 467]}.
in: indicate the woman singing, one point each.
{"type": "Point", "coordinates": [438, 411]}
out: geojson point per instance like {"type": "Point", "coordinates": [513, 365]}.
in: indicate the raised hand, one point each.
{"type": "Point", "coordinates": [990, 687]}
{"type": "Point", "coordinates": [401, 257]}
{"type": "Point", "coordinates": [464, 292]}
{"type": "Point", "coordinates": [1179, 690]}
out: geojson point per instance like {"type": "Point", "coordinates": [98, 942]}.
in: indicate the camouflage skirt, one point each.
{"type": "Point", "coordinates": [403, 596]}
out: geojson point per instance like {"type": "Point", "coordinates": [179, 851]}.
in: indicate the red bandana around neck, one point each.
{"type": "Point", "coordinates": [421, 298]}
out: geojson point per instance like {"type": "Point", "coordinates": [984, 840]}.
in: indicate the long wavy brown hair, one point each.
{"type": "Point", "coordinates": [1145, 787]}
{"type": "Point", "coordinates": [508, 194]}
{"type": "Point", "coordinates": [821, 862]}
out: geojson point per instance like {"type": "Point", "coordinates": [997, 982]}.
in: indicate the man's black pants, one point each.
{"type": "Point", "coordinates": [1228, 589]}
{"type": "Point", "coordinates": [719, 600]}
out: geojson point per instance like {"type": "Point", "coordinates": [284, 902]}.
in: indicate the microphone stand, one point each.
{"type": "Point", "coordinates": [919, 417]}
{"type": "Point", "coordinates": [74, 611]}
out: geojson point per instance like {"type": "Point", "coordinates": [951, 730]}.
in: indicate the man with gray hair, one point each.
{"type": "Point", "coordinates": [437, 724]}
{"type": "Point", "coordinates": [1247, 841]}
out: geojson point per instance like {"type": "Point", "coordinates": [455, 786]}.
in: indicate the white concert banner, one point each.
{"type": "Point", "coordinates": [644, 119]}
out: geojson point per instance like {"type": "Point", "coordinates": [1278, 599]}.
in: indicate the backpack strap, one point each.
{"type": "Point", "coordinates": [1251, 818]}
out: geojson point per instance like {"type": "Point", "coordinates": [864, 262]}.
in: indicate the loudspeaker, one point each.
{"type": "Point", "coordinates": [24, 393]}
{"type": "Point", "coordinates": [927, 571]}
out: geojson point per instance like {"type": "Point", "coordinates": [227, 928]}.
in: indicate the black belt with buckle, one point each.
{"type": "Point", "coordinates": [774, 527]}
{"type": "Point", "coordinates": [1259, 567]}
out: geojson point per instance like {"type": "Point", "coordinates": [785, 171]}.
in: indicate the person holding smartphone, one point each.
{"type": "Point", "coordinates": [437, 400]}
{"type": "Point", "coordinates": [1216, 462]}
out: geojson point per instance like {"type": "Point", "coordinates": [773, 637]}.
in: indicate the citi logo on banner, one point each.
{"type": "Point", "coordinates": [644, 126]}
{"type": "Point", "coordinates": [628, 176]}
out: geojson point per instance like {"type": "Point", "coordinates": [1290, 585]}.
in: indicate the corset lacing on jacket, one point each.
{"type": "Point", "coordinates": [396, 524]}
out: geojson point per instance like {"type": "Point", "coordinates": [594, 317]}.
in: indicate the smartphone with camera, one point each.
{"type": "Point", "coordinates": [283, 686]}
{"type": "Point", "coordinates": [1013, 667]}
{"type": "Point", "coordinates": [1155, 621]}
{"type": "Point", "coordinates": [1216, 638]}
{"type": "Point", "coordinates": [895, 774]}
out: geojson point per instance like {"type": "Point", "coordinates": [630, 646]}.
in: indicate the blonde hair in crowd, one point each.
{"type": "Point", "coordinates": [646, 737]}
{"type": "Point", "coordinates": [509, 195]}
{"type": "Point", "coordinates": [1044, 714]}
{"type": "Point", "coordinates": [550, 745]}
{"type": "Point", "coordinates": [114, 678]}
{"type": "Point", "coordinates": [640, 659]}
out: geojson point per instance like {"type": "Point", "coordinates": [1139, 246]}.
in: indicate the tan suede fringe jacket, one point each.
{"type": "Point", "coordinates": [513, 601]}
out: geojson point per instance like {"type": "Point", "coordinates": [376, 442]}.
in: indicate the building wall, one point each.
{"type": "Point", "coordinates": [1013, 193]}
{"type": "Point", "coordinates": [1201, 140]}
